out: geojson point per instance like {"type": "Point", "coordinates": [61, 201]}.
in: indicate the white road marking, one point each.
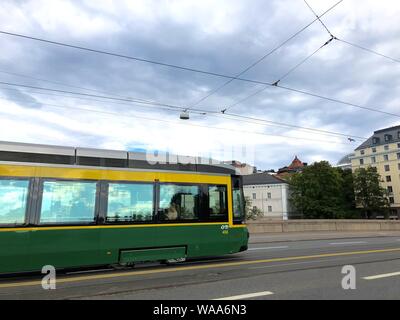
{"type": "Point", "coordinates": [381, 276]}
{"type": "Point", "coordinates": [292, 264]}
{"type": "Point", "coordinates": [267, 248]}
{"type": "Point", "coordinates": [248, 296]}
{"type": "Point", "coordinates": [345, 243]}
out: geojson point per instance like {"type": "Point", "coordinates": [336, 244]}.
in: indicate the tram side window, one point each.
{"type": "Point", "coordinates": [218, 208]}
{"type": "Point", "coordinates": [179, 202]}
{"type": "Point", "coordinates": [130, 202]}
{"type": "Point", "coordinates": [238, 201]}
{"type": "Point", "coordinates": [13, 201]}
{"type": "Point", "coordinates": [66, 202]}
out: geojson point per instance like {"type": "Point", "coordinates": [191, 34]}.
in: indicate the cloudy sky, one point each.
{"type": "Point", "coordinates": [213, 35]}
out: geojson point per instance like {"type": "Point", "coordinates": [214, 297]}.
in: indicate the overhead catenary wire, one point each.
{"type": "Point", "coordinates": [368, 50]}
{"type": "Point", "coordinates": [251, 66]}
{"type": "Point", "coordinates": [351, 43]}
{"type": "Point", "coordinates": [231, 78]}
{"type": "Point", "coordinates": [128, 103]}
{"type": "Point", "coordinates": [282, 124]}
{"type": "Point", "coordinates": [291, 70]}
{"type": "Point", "coordinates": [315, 95]}
{"type": "Point", "coordinates": [62, 84]}
{"type": "Point", "coordinates": [201, 111]}
{"type": "Point", "coordinates": [118, 55]}
{"type": "Point", "coordinates": [184, 123]}
{"type": "Point", "coordinates": [92, 95]}
{"type": "Point", "coordinates": [256, 121]}
{"type": "Point", "coordinates": [303, 92]}
{"type": "Point", "coordinates": [209, 73]}
{"type": "Point", "coordinates": [319, 19]}
{"type": "Point", "coordinates": [302, 62]}
{"type": "Point", "coordinates": [234, 117]}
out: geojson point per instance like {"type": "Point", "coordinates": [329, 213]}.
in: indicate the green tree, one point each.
{"type": "Point", "coordinates": [318, 192]}
{"type": "Point", "coordinates": [349, 202]}
{"type": "Point", "coordinates": [252, 213]}
{"type": "Point", "coordinates": [369, 195]}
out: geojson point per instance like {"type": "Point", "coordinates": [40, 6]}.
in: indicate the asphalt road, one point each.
{"type": "Point", "coordinates": [310, 269]}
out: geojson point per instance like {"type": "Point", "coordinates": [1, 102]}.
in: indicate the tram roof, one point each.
{"type": "Point", "coordinates": [50, 154]}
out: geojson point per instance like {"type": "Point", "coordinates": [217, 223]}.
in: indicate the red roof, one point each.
{"type": "Point", "coordinates": [296, 164]}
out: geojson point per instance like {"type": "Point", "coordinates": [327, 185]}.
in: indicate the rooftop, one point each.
{"type": "Point", "coordinates": [296, 164]}
{"type": "Point", "coordinates": [381, 137]}
{"type": "Point", "coordinates": [346, 160]}
{"type": "Point", "coordinates": [261, 178]}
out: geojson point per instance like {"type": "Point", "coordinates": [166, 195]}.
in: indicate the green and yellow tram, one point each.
{"type": "Point", "coordinates": [73, 207]}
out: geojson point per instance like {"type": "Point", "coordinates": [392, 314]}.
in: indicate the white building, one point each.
{"type": "Point", "coordinates": [269, 194]}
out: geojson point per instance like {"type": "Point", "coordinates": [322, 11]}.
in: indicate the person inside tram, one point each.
{"type": "Point", "coordinates": [172, 212]}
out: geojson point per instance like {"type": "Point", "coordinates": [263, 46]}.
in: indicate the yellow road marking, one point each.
{"type": "Point", "coordinates": [209, 266]}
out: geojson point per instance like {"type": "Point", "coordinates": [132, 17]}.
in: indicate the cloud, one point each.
{"type": "Point", "coordinates": [219, 36]}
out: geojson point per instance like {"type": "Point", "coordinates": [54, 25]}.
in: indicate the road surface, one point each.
{"type": "Point", "coordinates": [302, 269]}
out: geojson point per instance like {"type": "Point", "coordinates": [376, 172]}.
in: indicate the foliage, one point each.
{"type": "Point", "coordinates": [349, 203]}
{"type": "Point", "coordinates": [315, 190]}
{"type": "Point", "coordinates": [252, 213]}
{"type": "Point", "coordinates": [323, 192]}
{"type": "Point", "coordinates": [369, 194]}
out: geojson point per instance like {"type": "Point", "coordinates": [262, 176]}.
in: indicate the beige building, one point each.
{"type": "Point", "coordinates": [382, 151]}
{"type": "Point", "coordinates": [269, 194]}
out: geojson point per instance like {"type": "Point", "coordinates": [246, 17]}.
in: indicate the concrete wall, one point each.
{"type": "Point", "coordinates": [267, 226]}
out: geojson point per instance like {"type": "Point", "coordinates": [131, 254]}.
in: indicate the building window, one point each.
{"type": "Point", "coordinates": [269, 208]}
{"type": "Point", "coordinates": [179, 202]}
{"type": "Point", "coordinates": [130, 202]}
{"type": "Point", "coordinates": [373, 160]}
{"type": "Point", "coordinates": [387, 168]}
{"type": "Point", "coordinates": [362, 152]}
{"type": "Point", "coordinates": [13, 201]}
{"type": "Point", "coordinates": [388, 179]}
{"type": "Point", "coordinates": [390, 189]}
{"type": "Point", "coordinates": [391, 200]}
{"type": "Point", "coordinates": [388, 137]}
{"type": "Point", "coordinates": [68, 202]}
{"type": "Point", "coordinates": [374, 150]}
{"type": "Point", "coordinates": [386, 157]}
{"type": "Point", "coordinates": [398, 156]}
{"type": "Point", "coordinates": [269, 195]}
{"type": "Point", "coordinates": [386, 148]}
{"type": "Point", "coordinates": [361, 161]}
{"type": "Point", "coordinates": [375, 140]}
{"type": "Point", "coordinates": [254, 196]}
